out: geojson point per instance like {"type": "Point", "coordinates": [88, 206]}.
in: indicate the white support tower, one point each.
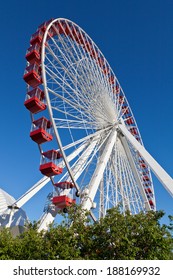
{"type": "Point", "coordinates": [160, 173]}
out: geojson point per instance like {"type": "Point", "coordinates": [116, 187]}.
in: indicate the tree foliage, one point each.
{"type": "Point", "coordinates": [116, 236]}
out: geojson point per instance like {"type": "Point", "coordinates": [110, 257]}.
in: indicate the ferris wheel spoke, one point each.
{"type": "Point", "coordinates": [84, 85]}
{"type": "Point", "coordinates": [71, 71]}
{"type": "Point", "coordinates": [75, 102]}
{"type": "Point", "coordinates": [125, 182]}
{"type": "Point", "coordinates": [85, 146]}
{"type": "Point", "coordinates": [90, 63]}
{"type": "Point", "coordinates": [83, 101]}
{"type": "Point", "coordinates": [135, 171]}
{"type": "Point", "coordinates": [115, 176]}
{"type": "Point", "coordinates": [61, 68]}
{"type": "Point", "coordinates": [75, 153]}
{"type": "Point", "coordinates": [74, 124]}
{"type": "Point", "coordinates": [96, 151]}
{"type": "Point", "coordinates": [78, 115]}
{"type": "Point", "coordinates": [70, 104]}
{"type": "Point", "coordinates": [123, 198]}
{"type": "Point", "coordinates": [62, 52]}
{"type": "Point", "coordinates": [82, 162]}
{"type": "Point", "coordinates": [106, 193]}
{"type": "Point", "coordinates": [110, 190]}
{"type": "Point", "coordinates": [69, 114]}
{"type": "Point", "coordinates": [88, 115]}
{"type": "Point", "coordinates": [58, 76]}
{"type": "Point", "coordinates": [122, 187]}
{"type": "Point", "coordinates": [130, 183]}
{"type": "Point", "coordinates": [89, 137]}
{"type": "Point", "coordinates": [130, 190]}
{"type": "Point", "coordinates": [69, 53]}
{"type": "Point", "coordinates": [133, 193]}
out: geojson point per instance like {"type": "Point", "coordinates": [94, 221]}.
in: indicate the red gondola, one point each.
{"type": "Point", "coordinates": [133, 131]}
{"type": "Point", "coordinates": [143, 165]}
{"type": "Point", "coordinates": [148, 190]}
{"type": "Point", "coordinates": [63, 201]}
{"type": "Point", "coordinates": [151, 203]}
{"type": "Point", "coordinates": [129, 121]}
{"type": "Point", "coordinates": [35, 101]}
{"type": "Point", "coordinates": [32, 75]}
{"type": "Point", "coordinates": [49, 163]}
{"type": "Point", "coordinates": [33, 54]}
{"type": "Point", "coordinates": [40, 131]}
{"type": "Point", "coordinates": [37, 37]}
{"type": "Point", "coordinates": [146, 178]}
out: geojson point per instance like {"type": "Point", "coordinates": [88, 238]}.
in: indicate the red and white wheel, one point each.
{"type": "Point", "coordinates": [83, 124]}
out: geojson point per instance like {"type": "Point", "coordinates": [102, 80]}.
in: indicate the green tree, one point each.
{"type": "Point", "coordinates": [116, 236]}
{"type": "Point", "coordinates": [141, 236]}
{"type": "Point", "coordinates": [30, 244]}
{"type": "Point", "coordinates": [6, 244]}
{"type": "Point", "coordinates": [64, 241]}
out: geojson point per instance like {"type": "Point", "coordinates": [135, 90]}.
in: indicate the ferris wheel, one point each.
{"type": "Point", "coordinates": [90, 145]}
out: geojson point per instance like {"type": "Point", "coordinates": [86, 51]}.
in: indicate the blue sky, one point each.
{"type": "Point", "coordinates": [136, 38]}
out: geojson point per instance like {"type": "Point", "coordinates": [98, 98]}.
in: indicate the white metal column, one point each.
{"type": "Point", "coordinates": [31, 192]}
{"type": "Point", "coordinates": [98, 174]}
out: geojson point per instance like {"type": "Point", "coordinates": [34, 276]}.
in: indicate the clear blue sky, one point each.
{"type": "Point", "coordinates": [135, 36]}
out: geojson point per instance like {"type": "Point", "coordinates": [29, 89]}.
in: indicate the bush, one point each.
{"type": "Point", "coordinates": [116, 236]}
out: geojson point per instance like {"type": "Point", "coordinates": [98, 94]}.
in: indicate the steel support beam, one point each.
{"type": "Point", "coordinates": [160, 173]}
